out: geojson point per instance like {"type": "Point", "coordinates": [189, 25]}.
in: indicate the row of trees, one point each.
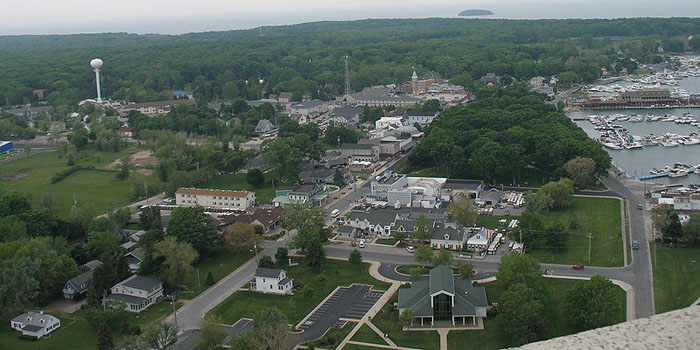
{"type": "Point", "coordinates": [668, 222]}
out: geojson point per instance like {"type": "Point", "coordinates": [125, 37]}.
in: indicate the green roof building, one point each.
{"type": "Point", "coordinates": [444, 296]}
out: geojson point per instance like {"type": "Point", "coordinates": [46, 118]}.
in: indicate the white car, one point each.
{"type": "Point", "coordinates": [411, 249]}
{"type": "Point", "coordinates": [361, 244]}
{"type": "Point", "coordinates": [335, 213]}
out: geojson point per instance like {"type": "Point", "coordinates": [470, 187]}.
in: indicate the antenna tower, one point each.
{"type": "Point", "coordinates": [347, 77]}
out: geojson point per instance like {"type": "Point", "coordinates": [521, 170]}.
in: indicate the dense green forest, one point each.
{"type": "Point", "coordinates": [501, 136]}
{"type": "Point", "coordinates": [309, 58]}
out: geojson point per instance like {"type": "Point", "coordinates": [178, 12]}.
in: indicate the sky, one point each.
{"type": "Point", "coordinates": [185, 16]}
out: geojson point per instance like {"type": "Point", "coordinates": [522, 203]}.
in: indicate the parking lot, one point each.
{"type": "Point", "coordinates": [347, 302]}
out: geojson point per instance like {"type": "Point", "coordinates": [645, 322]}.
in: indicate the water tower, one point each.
{"type": "Point", "coordinates": [97, 64]}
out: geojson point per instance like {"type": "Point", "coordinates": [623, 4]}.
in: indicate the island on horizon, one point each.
{"type": "Point", "coordinates": [476, 13]}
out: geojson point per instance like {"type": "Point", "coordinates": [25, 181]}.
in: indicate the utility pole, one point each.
{"type": "Point", "coordinates": [199, 286]}
{"type": "Point", "coordinates": [347, 77]}
{"type": "Point", "coordinates": [590, 237]}
{"type": "Point", "coordinates": [172, 302]}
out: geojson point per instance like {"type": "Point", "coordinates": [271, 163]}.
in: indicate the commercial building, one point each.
{"type": "Point", "coordinates": [308, 194]}
{"type": "Point", "coordinates": [443, 296]}
{"type": "Point", "coordinates": [221, 199]}
{"type": "Point", "coordinates": [5, 146]}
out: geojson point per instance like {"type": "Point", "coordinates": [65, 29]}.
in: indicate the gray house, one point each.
{"type": "Point", "coordinates": [76, 287]}
{"type": "Point", "coordinates": [264, 126]}
{"type": "Point", "coordinates": [35, 324]}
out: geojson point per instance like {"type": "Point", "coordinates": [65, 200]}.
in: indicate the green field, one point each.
{"type": "Point", "coordinates": [265, 193]}
{"type": "Point", "coordinates": [220, 262]}
{"type": "Point", "coordinates": [677, 278]}
{"type": "Point", "coordinates": [89, 188]}
{"type": "Point", "coordinates": [296, 307]}
{"type": "Point", "coordinates": [76, 333]}
{"type": "Point", "coordinates": [390, 241]}
{"type": "Point", "coordinates": [598, 216]}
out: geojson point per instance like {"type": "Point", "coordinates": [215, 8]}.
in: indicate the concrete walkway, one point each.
{"type": "Point", "coordinates": [443, 338]}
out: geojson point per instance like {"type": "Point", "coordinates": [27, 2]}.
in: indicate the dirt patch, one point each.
{"type": "Point", "coordinates": [146, 172]}
{"type": "Point", "coordinates": [138, 159]}
{"type": "Point", "coordinates": [10, 177]}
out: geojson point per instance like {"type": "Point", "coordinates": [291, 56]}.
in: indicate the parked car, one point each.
{"type": "Point", "coordinates": [335, 213]}
{"type": "Point", "coordinates": [361, 244]}
{"type": "Point", "coordinates": [507, 213]}
{"type": "Point", "coordinates": [639, 206]}
{"type": "Point", "coordinates": [411, 249]}
{"type": "Point", "coordinates": [577, 267]}
{"type": "Point", "coordinates": [635, 245]}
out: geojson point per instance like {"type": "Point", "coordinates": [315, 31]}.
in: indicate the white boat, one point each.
{"type": "Point", "coordinates": [679, 173]}
{"type": "Point", "coordinates": [669, 144]}
{"type": "Point", "coordinates": [634, 145]}
{"type": "Point", "coordinates": [612, 145]}
{"type": "Point", "coordinates": [692, 141]}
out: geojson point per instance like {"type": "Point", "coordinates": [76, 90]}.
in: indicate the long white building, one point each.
{"type": "Point", "coordinates": [192, 197]}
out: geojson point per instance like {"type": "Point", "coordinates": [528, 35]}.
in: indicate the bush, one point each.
{"type": "Point", "coordinates": [67, 172]}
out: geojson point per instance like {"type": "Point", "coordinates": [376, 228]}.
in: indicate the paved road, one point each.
{"type": "Point", "coordinates": [640, 230]}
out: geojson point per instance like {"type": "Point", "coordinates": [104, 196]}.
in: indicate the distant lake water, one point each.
{"type": "Point", "coordinates": [639, 162]}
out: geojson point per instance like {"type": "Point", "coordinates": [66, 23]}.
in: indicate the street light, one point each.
{"type": "Point", "coordinates": [261, 81]}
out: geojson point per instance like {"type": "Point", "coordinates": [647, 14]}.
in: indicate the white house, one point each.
{"type": "Point", "coordinates": [264, 126]}
{"type": "Point", "coordinates": [481, 240]}
{"type": "Point", "coordinates": [192, 197]}
{"type": "Point", "coordinates": [35, 324]}
{"type": "Point", "coordinates": [385, 122]}
{"type": "Point", "coordinates": [271, 281]}
{"type": "Point", "coordinates": [138, 293]}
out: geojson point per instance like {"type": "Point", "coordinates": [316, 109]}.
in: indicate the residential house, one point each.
{"type": "Point", "coordinates": [264, 126]}
{"type": "Point", "coordinates": [308, 194]}
{"type": "Point", "coordinates": [31, 112]}
{"type": "Point", "coordinates": [126, 131]}
{"type": "Point", "coordinates": [220, 199]}
{"type": "Point", "coordinates": [386, 146]}
{"type": "Point", "coordinates": [444, 296]}
{"type": "Point", "coordinates": [271, 281]}
{"type": "Point", "coordinates": [379, 96]}
{"type": "Point", "coordinates": [136, 292]}
{"type": "Point", "coordinates": [285, 97]}
{"type": "Point", "coordinates": [384, 222]}
{"type": "Point", "coordinates": [490, 79]}
{"type": "Point", "coordinates": [35, 324]}
{"type": "Point", "coordinates": [310, 108]}
{"type": "Point", "coordinates": [134, 259]}
{"type": "Point", "coordinates": [346, 232]}
{"type": "Point", "coordinates": [76, 288]}
{"type": "Point", "coordinates": [347, 116]}
{"type": "Point", "coordinates": [386, 122]}
{"type": "Point", "coordinates": [179, 94]}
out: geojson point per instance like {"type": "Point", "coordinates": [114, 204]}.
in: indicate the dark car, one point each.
{"type": "Point", "coordinates": [635, 245]}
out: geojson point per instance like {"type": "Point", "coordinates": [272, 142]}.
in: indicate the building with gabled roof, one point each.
{"type": "Point", "coordinates": [444, 296]}
{"type": "Point", "coordinates": [136, 292]}
{"type": "Point", "coordinates": [76, 287]}
{"type": "Point", "coordinates": [271, 281]}
{"type": "Point", "coordinates": [35, 324]}
{"type": "Point", "coordinates": [220, 199]}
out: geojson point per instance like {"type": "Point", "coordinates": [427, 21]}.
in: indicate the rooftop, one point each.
{"type": "Point", "coordinates": [268, 273]}
{"type": "Point", "coordinates": [142, 283]}
{"type": "Point", "coordinates": [208, 192]}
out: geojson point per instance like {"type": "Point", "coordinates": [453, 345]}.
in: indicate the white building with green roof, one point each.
{"type": "Point", "coordinates": [444, 296]}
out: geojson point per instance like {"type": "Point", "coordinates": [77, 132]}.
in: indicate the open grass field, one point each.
{"type": "Point", "coordinates": [598, 216]}
{"type": "Point", "coordinates": [92, 189]}
{"type": "Point", "coordinates": [265, 193]}
{"type": "Point", "coordinates": [220, 262]}
{"type": "Point", "coordinates": [677, 278]}
{"type": "Point", "coordinates": [296, 307]}
{"type": "Point", "coordinates": [76, 333]}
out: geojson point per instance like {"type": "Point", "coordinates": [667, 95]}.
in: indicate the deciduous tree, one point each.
{"type": "Point", "coordinates": [520, 314]}
{"type": "Point", "coordinates": [443, 257]}
{"type": "Point", "coordinates": [561, 192]}
{"type": "Point", "coordinates": [271, 331]}
{"type": "Point", "coordinates": [463, 210]}
{"type": "Point", "coordinates": [538, 203]}
{"type": "Point", "coordinates": [423, 255]}
{"type": "Point", "coordinates": [581, 170]}
{"type": "Point", "coordinates": [355, 257]}
{"type": "Point", "coordinates": [592, 304]}
{"type": "Point", "coordinates": [241, 236]}
{"type": "Point", "coordinates": [177, 259]}
{"type": "Point", "coordinates": [466, 271]}
{"type": "Point", "coordinates": [191, 225]}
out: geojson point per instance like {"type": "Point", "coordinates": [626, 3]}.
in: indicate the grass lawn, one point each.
{"type": "Point", "coordinates": [406, 269]}
{"type": "Point", "coordinates": [87, 186]}
{"type": "Point", "coordinates": [296, 307]}
{"type": "Point", "coordinates": [220, 262]}
{"type": "Point", "coordinates": [75, 333]}
{"type": "Point", "coordinates": [491, 222]}
{"type": "Point", "coordinates": [367, 335]}
{"type": "Point", "coordinates": [597, 216]}
{"type": "Point", "coordinates": [390, 241]}
{"type": "Point", "coordinates": [333, 337]}
{"type": "Point", "coordinates": [264, 194]}
{"type": "Point", "coordinates": [677, 278]}
{"type": "Point", "coordinates": [358, 347]}
{"type": "Point", "coordinates": [492, 338]}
